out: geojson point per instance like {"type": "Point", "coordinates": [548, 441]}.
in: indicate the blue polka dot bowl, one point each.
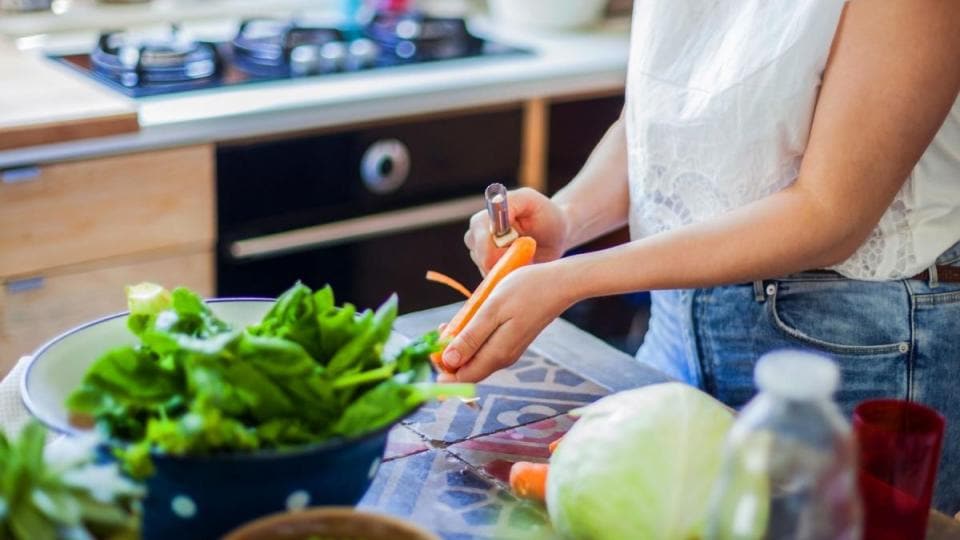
{"type": "Point", "coordinates": [204, 497]}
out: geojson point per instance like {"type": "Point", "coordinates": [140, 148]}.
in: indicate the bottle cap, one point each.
{"type": "Point", "coordinates": [797, 375]}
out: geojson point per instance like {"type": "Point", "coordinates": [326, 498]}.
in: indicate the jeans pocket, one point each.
{"type": "Point", "coordinates": [853, 318]}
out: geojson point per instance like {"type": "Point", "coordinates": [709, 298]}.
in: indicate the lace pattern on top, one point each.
{"type": "Point", "coordinates": [720, 97]}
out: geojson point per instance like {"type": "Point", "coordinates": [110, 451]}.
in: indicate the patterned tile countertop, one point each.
{"type": "Point", "coordinates": [446, 468]}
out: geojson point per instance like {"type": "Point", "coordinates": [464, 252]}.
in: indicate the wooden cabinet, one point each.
{"type": "Point", "coordinates": [68, 213]}
{"type": "Point", "coordinates": [35, 310]}
{"type": "Point", "coordinates": [73, 234]}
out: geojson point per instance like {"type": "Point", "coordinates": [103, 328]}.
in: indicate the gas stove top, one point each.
{"type": "Point", "coordinates": [272, 49]}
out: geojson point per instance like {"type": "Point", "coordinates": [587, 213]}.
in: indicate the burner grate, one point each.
{"type": "Point", "coordinates": [155, 61]}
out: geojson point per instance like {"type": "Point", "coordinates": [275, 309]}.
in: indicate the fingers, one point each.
{"type": "Point", "coordinates": [483, 251]}
{"type": "Point", "coordinates": [524, 202]}
{"type": "Point", "coordinates": [501, 349]}
{"type": "Point", "coordinates": [525, 206]}
{"type": "Point", "coordinates": [465, 345]}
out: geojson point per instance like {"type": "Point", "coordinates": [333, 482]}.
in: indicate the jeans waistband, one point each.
{"type": "Point", "coordinates": [945, 269]}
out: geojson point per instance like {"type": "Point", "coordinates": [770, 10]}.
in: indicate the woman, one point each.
{"type": "Point", "coordinates": [790, 172]}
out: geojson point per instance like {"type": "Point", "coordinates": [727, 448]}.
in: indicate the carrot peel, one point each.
{"type": "Point", "coordinates": [529, 480]}
{"type": "Point", "coordinates": [444, 279]}
{"type": "Point", "coordinates": [519, 254]}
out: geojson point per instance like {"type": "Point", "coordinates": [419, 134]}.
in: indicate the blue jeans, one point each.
{"type": "Point", "coordinates": [897, 339]}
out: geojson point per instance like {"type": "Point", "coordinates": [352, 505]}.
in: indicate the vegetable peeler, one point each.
{"type": "Point", "coordinates": [500, 230]}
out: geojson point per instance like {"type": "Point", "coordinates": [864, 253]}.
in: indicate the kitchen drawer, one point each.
{"type": "Point", "coordinates": [65, 213]}
{"type": "Point", "coordinates": [36, 310]}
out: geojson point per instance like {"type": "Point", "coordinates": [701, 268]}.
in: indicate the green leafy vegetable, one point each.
{"type": "Point", "coordinates": [63, 493]}
{"type": "Point", "coordinates": [308, 371]}
{"type": "Point", "coordinates": [639, 464]}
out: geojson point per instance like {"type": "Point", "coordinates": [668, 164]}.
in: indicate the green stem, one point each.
{"type": "Point", "coordinates": [379, 374]}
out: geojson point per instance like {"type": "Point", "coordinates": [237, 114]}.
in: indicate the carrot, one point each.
{"type": "Point", "coordinates": [444, 279]}
{"type": "Point", "coordinates": [529, 480]}
{"type": "Point", "coordinates": [553, 446]}
{"type": "Point", "coordinates": [519, 254]}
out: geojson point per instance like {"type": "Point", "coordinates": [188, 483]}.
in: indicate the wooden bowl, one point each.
{"type": "Point", "coordinates": [334, 522]}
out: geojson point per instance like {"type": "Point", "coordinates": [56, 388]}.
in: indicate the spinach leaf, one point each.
{"type": "Point", "coordinates": [388, 402]}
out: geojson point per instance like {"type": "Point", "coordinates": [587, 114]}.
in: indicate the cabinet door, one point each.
{"type": "Point", "coordinates": [66, 213]}
{"type": "Point", "coordinates": [575, 129]}
{"type": "Point", "coordinates": [36, 310]}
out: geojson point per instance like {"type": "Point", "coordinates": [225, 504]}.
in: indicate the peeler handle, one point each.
{"type": "Point", "coordinates": [500, 229]}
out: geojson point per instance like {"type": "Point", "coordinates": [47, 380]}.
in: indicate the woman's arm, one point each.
{"type": "Point", "coordinates": [893, 76]}
{"type": "Point", "coordinates": [891, 80]}
{"type": "Point", "coordinates": [597, 201]}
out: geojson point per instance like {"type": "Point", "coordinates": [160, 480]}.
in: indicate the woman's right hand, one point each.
{"type": "Point", "coordinates": [531, 214]}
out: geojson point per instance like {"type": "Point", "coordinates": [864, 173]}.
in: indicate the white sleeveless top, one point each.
{"type": "Point", "coordinates": [720, 98]}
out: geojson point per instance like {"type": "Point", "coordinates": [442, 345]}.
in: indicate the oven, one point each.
{"type": "Point", "coordinates": [367, 210]}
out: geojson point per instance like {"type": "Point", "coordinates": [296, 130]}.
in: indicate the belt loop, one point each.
{"type": "Point", "coordinates": [934, 280]}
{"type": "Point", "coordinates": [758, 293]}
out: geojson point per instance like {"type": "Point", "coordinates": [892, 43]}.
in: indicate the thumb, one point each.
{"type": "Point", "coordinates": [524, 203]}
{"type": "Point", "coordinates": [468, 342]}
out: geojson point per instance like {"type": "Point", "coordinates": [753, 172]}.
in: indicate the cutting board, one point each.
{"type": "Point", "coordinates": [44, 103]}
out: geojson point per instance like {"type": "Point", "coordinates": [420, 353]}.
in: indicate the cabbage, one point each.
{"type": "Point", "coordinates": [639, 464]}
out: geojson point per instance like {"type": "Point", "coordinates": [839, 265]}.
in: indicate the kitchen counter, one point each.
{"type": "Point", "coordinates": [447, 467]}
{"type": "Point", "coordinates": [41, 103]}
{"type": "Point", "coordinates": [591, 62]}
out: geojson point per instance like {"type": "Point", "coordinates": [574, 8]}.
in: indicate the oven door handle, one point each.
{"type": "Point", "coordinates": [351, 230]}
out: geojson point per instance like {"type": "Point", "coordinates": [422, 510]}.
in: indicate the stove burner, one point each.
{"type": "Point", "coordinates": [266, 46]}
{"type": "Point", "coordinates": [270, 50]}
{"type": "Point", "coordinates": [154, 61]}
{"type": "Point", "coordinates": [410, 37]}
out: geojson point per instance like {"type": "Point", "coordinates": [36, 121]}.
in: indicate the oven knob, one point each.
{"type": "Point", "coordinates": [385, 166]}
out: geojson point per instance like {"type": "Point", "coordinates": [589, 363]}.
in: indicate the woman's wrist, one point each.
{"type": "Point", "coordinates": [568, 220]}
{"type": "Point", "coordinates": [563, 279]}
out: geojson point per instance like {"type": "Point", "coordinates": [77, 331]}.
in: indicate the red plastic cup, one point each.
{"type": "Point", "coordinates": [899, 450]}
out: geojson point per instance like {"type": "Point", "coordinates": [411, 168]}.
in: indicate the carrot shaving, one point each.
{"type": "Point", "coordinates": [444, 279]}
{"type": "Point", "coordinates": [529, 480]}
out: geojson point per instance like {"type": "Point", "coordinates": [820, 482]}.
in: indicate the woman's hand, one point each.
{"type": "Point", "coordinates": [531, 214]}
{"type": "Point", "coordinates": [519, 308]}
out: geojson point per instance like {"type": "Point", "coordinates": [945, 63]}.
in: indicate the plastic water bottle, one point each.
{"type": "Point", "coordinates": [789, 467]}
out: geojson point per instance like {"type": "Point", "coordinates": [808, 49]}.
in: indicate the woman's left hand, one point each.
{"type": "Point", "coordinates": [519, 308]}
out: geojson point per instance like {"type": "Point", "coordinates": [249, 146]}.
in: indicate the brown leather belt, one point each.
{"type": "Point", "coordinates": [945, 274]}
